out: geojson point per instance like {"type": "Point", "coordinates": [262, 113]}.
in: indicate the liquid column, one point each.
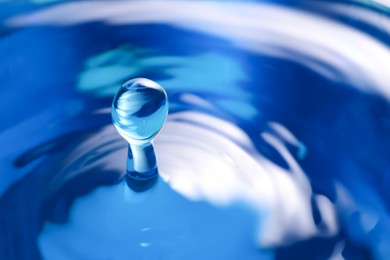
{"type": "Point", "coordinates": [139, 110]}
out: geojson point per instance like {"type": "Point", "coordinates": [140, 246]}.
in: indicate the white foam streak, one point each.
{"type": "Point", "coordinates": [383, 2]}
{"type": "Point", "coordinates": [377, 20]}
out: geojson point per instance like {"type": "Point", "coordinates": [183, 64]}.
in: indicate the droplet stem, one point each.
{"type": "Point", "coordinates": [142, 170]}
{"type": "Point", "coordinates": [144, 160]}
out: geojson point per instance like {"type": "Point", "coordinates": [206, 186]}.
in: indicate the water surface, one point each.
{"type": "Point", "coordinates": [276, 145]}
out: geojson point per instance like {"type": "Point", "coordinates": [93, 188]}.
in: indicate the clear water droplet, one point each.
{"type": "Point", "coordinates": [139, 110]}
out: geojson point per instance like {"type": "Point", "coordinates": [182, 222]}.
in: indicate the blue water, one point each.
{"type": "Point", "coordinates": [276, 145]}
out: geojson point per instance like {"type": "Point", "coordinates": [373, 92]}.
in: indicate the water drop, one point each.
{"type": "Point", "coordinates": [139, 110]}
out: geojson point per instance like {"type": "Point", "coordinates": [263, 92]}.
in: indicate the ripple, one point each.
{"type": "Point", "coordinates": [214, 172]}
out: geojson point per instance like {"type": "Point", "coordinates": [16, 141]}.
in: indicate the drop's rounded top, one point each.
{"type": "Point", "coordinates": [139, 110]}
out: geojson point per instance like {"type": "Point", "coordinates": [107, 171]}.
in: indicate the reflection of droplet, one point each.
{"type": "Point", "coordinates": [139, 110]}
{"type": "Point", "coordinates": [144, 244]}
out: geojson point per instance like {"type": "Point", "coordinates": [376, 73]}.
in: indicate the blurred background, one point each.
{"type": "Point", "coordinates": [276, 146]}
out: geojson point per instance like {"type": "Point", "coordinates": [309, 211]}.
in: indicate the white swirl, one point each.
{"type": "Point", "coordinates": [206, 158]}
